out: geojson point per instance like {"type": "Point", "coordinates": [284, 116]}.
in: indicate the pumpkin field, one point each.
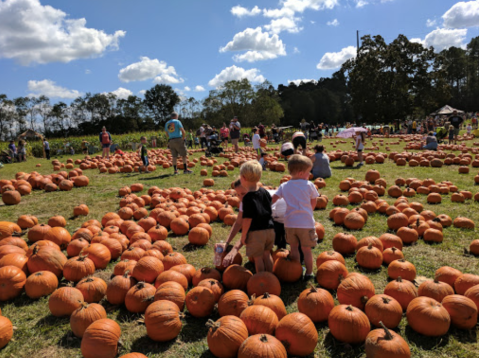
{"type": "Point", "coordinates": [99, 260]}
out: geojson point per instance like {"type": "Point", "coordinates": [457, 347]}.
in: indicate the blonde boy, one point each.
{"type": "Point", "coordinates": [257, 228]}
{"type": "Point", "coordinates": [300, 197]}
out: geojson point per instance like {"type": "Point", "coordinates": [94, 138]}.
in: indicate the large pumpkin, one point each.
{"type": "Point", "coordinates": [84, 316]}
{"type": "Point", "coordinates": [271, 301]}
{"type": "Point", "coordinates": [435, 289]}
{"type": "Point", "coordinates": [356, 290]}
{"type": "Point", "coordinates": [287, 270]}
{"type": "Point", "coordinates": [225, 336]}
{"type": "Point", "coordinates": [64, 301]}
{"type": "Point", "coordinates": [259, 319]}
{"type": "Point", "coordinates": [12, 281]}
{"type": "Point", "coordinates": [298, 334]}
{"type": "Point", "coordinates": [92, 288]}
{"type": "Point", "coordinates": [428, 317]}
{"type": "Point", "coordinates": [330, 274]}
{"type": "Point", "coordinates": [162, 321]}
{"type": "Point", "coordinates": [463, 311]}
{"type": "Point", "coordinates": [200, 301]}
{"type": "Point", "coordinates": [77, 268]}
{"type": "Point", "coordinates": [171, 291]}
{"type": "Point", "coordinates": [348, 324]}
{"type": "Point", "coordinates": [147, 269]}
{"type": "Point", "coordinates": [101, 339]}
{"type": "Point", "coordinates": [383, 308]}
{"type": "Point", "coordinates": [236, 277]}
{"type": "Point", "coordinates": [118, 287]}
{"type": "Point", "coordinates": [262, 346]}
{"type": "Point", "coordinates": [40, 284]}
{"type": "Point", "coordinates": [232, 303]}
{"type": "Point", "coordinates": [315, 303]}
{"type": "Point", "coordinates": [263, 282]}
{"type": "Point", "coordinates": [402, 291]}
{"type": "Point", "coordinates": [385, 343]}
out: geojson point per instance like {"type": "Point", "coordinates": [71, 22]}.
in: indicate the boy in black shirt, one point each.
{"type": "Point", "coordinates": [144, 154]}
{"type": "Point", "coordinates": [258, 228]}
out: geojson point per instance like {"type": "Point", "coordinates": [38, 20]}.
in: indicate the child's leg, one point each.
{"type": "Point", "coordinates": [280, 240]}
{"type": "Point", "coordinates": [294, 252]}
{"type": "Point", "coordinates": [308, 260]}
{"type": "Point", "coordinates": [259, 264]}
{"type": "Point", "coordinates": [301, 254]}
{"type": "Point", "coordinates": [268, 261]}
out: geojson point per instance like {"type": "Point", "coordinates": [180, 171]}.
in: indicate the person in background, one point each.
{"type": "Point", "coordinates": [360, 138]}
{"type": "Point", "coordinates": [474, 121]}
{"type": "Point", "coordinates": [119, 151]}
{"type": "Point", "coordinates": [414, 126]}
{"type": "Point", "coordinates": [197, 141]}
{"type": "Point", "coordinates": [452, 131]}
{"type": "Point", "coordinates": [105, 140]}
{"type": "Point", "coordinates": [256, 142]}
{"type": "Point", "coordinates": [469, 129]}
{"type": "Point", "coordinates": [300, 196]}
{"type": "Point", "coordinates": [261, 131]}
{"type": "Point", "coordinates": [201, 132]}
{"type": "Point", "coordinates": [456, 121]}
{"type": "Point", "coordinates": [84, 146]}
{"type": "Point", "coordinates": [431, 142]}
{"type": "Point", "coordinates": [304, 127]}
{"type": "Point", "coordinates": [72, 150]}
{"type": "Point", "coordinates": [235, 131]}
{"type": "Point", "coordinates": [190, 139]}
{"type": "Point", "coordinates": [287, 149]}
{"type": "Point", "coordinates": [21, 151]}
{"type": "Point", "coordinates": [46, 146]}
{"type": "Point", "coordinates": [299, 139]}
{"type": "Point", "coordinates": [321, 168]}
{"type": "Point", "coordinates": [263, 161]}
{"type": "Point", "coordinates": [143, 150]}
{"type": "Point", "coordinates": [224, 133]}
{"type": "Point", "coordinates": [274, 131]}
{"type": "Point", "coordinates": [176, 142]}
{"type": "Point", "coordinates": [12, 150]}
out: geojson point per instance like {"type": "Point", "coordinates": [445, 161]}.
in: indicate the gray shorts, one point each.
{"type": "Point", "coordinates": [456, 131]}
{"type": "Point", "coordinates": [177, 147]}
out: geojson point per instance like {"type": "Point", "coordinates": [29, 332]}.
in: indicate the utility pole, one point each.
{"type": "Point", "coordinates": [357, 41]}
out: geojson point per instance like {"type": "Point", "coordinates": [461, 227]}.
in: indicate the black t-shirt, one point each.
{"type": "Point", "coordinates": [257, 206]}
{"type": "Point", "coordinates": [456, 121]}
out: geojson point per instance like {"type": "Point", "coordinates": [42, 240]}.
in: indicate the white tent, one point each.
{"type": "Point", "coordinates": [446, 110]}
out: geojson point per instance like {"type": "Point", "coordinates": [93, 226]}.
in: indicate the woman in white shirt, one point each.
{"type": "Point", "coordinates": [360, 138]}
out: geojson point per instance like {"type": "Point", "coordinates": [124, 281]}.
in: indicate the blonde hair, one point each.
{"type": "Point", "coordinates": [451, 127]}
{"type": "Point", "coordinates": [299, 163]}
{"type": "Point", "coordinates": [251, 171]}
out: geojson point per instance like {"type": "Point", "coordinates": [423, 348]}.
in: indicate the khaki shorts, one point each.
{"type": "Point", "coordinates": [456, 131]}
{"type": "Point", "coordinates": [234, 141]}
{"type": "Point", "coordinates": [257, 242]}
{"type": "Point", "coordinates": [177, 147]}
{"type": "Point", "coordinates": [303, 237]}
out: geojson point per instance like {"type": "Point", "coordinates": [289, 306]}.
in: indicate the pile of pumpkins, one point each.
{"type": "Point", "coordinates": [23, 184]}
{"type": "Point", "coordinates": [437, 159]}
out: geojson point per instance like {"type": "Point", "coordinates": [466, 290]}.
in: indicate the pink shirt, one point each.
{"type": "Point", "coordinates": [224, 132]}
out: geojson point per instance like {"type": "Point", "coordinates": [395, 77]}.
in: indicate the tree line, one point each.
{"type": "Point", "coordinates": [382, 83]}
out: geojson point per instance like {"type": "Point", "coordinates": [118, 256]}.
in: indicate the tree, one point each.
{"type": "Point", "coordinates": [59, 116]}
{"type": "Point", "coordinates": [7, 117]}
{"type": "Point", "coordinates": [161, 101]}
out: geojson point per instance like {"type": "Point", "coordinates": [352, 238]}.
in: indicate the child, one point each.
{"type": "Point", "coordinates": [84, 146]}
{"type": "Point", "coordinates": [119, 151]}
{"type": "Point", "coordinates": [257, 228]}
{"type": "Point", "coordinates": [197, 141]}
{"type": "Point", "coordinates": [72, 150]}
{"type": "Point", "coordinates": [263, 161]}
{"type": "Point", "coordinates": [360, 138]}
{"type": "Point", "coordinates": [190, 139]}
{"type": "Point", "coordinates": [469, 129]}
{"type": "Point", "coordinates": [300, 197]}
{"type": "Point", "coordinates": [256, 143]}
{"type": "Point", "coordinates": [144, 154]}
{"type": "Point", "coordinates": [451, 134]}
{"type": "Point", "coordinates": [278, 211]}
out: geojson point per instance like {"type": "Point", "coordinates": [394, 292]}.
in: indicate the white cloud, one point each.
{"type": "Point", "coordinates": [199, 89]}
{"type": "Point", "coordinates": [290, 7]}
{"type": "Point", "coordinates": [242, 11]}
{"type": "Point", "coordinates": [296, 50]}
{"type": "Point", "coordinates": [142, 92]}
{"type": "Point", "coordinates": [51, 89]}
{"type": "Point", "coordinates": [148, 68]}
{"type": "Point", "coordinates": [361, 3]}
{"type": "Point", "coordinates": [87, 72]}
{"type": "Point", "coordinates": [236, 73]}
{"type": "Point", "coordinates": [332, 60]}
{"type": "Point", "coordinates": [461, 15]}
{"type": "Point", "coordinates": [335, 22]}
{"type": "Point", "coordinates": [260, 45]}
{"type": "Point", "coordinates": [121, 93]}
{"type": "Point", "coordinates": [442, 39]}
{"type": "Point", "coordinates": [298, 82]}
{"type": "Point", "coordinates": [187, 89]}
{"type": "Point", "coordinates": [289, 24]}
{"type": "Point", "coordinates": [431, 23]}
{"type": "Point", "coordinates": [33, 33]}
{"type": "Point", "coordinates": [312, 22]}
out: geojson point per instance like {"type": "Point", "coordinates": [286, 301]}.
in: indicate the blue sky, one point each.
{"type": "Point", "coordinates": [66, 48]}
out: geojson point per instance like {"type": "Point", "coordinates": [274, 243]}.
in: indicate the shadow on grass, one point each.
{"type": "Point", "coordinates": [145, 345]}
{"type": "Point", "coordinates": [190, 247]}
{"type": "Point", "coordinates": [464, 335]}
{"type": "Point", "coordinates": [339, 349]}
{"type": "Point", "coordinates": [423, 342]}
{"type": "Point", "coordinates": [194, 329]}
{"type": "Point", "coordinates": [51, 320]}
{"type": "Point", "coordinates": [69, 340]}
{"type": "Point", "coordinates": [164, 176]}
{"type": "Point", "coordinates": [366, 270]}
{"type": "Point", "coordinates": [290, 292]}
{"type": "Point", "coordinates": [346, 168]}
{"type": "Point", "coordinates": [23, 301]}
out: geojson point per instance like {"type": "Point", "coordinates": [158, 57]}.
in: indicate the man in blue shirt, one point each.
{"type": "Point", "coordinates": [176, 141]}
{"type": "Point", "coordinates": [12, 150]}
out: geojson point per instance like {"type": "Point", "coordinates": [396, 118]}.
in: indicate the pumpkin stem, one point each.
{"type": "Point", "coordinates": [35, 250]}
{"type": "Point", "coordinates": [349, 308]}
{"type": "Point", "coordinates": [370, 246]}
{"type": "Point", "coordinates": [364, 299]}
{"type": "Point", "coordinates": [266, 295]}
{"type": "Point", "coordinates": [388, 336]}
{"type": "Point", "coordinates": [149, 299]}
{"type": "Point", "coordinates": [386, 300]}
{"type": "Point", "coordinates": [313, 287]}
{"type": "Point", "coordinates": [140, 285]}
{"type": "Point", "coordinates": [399, 279]}
{"type": "Point", "coordinates": [126, 273]}
{"type": "Point", "coordinates": [213, 325]}
{"type": "Point", "coordinates": [263, 338]}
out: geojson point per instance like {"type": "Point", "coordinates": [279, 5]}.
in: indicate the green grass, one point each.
{"type": "Point", "coordinates": [40, 334]}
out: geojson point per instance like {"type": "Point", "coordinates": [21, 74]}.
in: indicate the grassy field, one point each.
{"type": "Point", "coordinates": [42, 335]}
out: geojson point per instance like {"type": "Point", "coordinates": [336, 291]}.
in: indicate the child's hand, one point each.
{"type": "Point", "coordinates": [243, 240]}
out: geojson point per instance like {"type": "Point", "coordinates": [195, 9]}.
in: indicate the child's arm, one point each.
{"type": "Point", "coordinates": [245, 227]}
{"type": "Point", "coordinates": [236, 228]}
{"type": "Point", "coordinates": [275, 199]}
